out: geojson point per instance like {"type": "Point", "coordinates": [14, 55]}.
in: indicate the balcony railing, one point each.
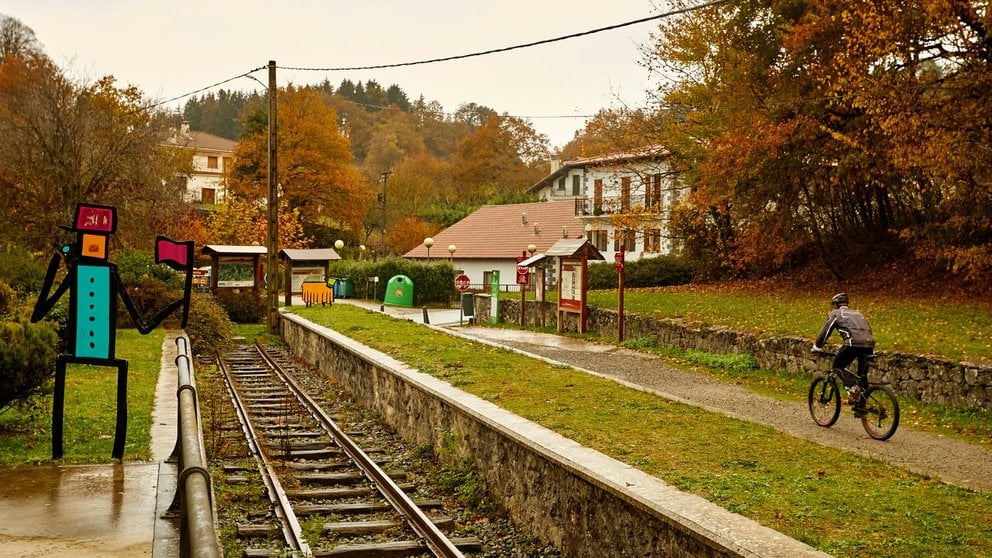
{"type": "Point", "coordinates": [588, 207]}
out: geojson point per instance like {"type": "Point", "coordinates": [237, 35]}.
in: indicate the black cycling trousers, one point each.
{"type": "Point", "coordinates": [847, 354]}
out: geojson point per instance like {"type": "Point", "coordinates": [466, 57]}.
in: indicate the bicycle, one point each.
{"type": "Point", "coordinates": [880, 414]}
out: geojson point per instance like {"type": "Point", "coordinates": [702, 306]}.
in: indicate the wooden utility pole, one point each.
{"type": "Point", "coordinates": [272, 289]}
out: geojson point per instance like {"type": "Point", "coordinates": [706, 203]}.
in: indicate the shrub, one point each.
{"type": "Point", "coordinates": [660, 271]}
{"type": "Point", "coordinates": [209, 329]}
{"type": "Point", "coordinates": [242, 307]}
{"type": "Point", "coordinates": [20, 270]}
{"type": "Point", "coordinates": [135, 266]}
{"type": "Point", "coordinates": [433, 282]}
{"type": "Point", "coordinates": [150, 296]}
{"type": "Point", "coordinates": [27, 359]}
{"type": "Point", "coordinates": [6, 298]}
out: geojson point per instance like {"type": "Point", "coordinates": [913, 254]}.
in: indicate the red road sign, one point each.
{"type": "Point", "coordinates": [462, 283]}
{"type": "Point", "coordinates": [523, 275]}
{"type": "Point", "coordinates": [618, 257]}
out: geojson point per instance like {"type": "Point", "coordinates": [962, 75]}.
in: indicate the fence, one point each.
{"type": "Point", "coordinates": [194, 496]}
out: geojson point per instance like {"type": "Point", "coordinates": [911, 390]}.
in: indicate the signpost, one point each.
{"type": "Point", "coordinates": [462, 282]}
{"type": "Point", "coordinates": [573, 259]}
{"type": "Point", "coordinates": [523, 279]}
{"type": "Point", "coordinates": [494, 303]}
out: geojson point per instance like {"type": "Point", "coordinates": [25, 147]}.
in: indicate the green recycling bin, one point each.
{"type": "Point", "coordinates": [399, 292]}
{"type": "Point", "coordinates": [344, 288]}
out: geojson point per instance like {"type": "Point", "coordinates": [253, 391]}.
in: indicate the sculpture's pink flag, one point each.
{"type": "Point", "coordinates": [174, 254]}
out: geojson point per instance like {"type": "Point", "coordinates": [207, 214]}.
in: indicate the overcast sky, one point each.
{"type": "Point", "coordinates": [170, 48]}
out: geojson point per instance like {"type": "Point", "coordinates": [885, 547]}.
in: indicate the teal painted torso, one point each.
{"type": "Point", "coordinates": [93, 327]}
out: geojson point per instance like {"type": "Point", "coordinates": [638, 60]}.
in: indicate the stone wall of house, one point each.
{"type": "Point", "coordinates": [929, 379]}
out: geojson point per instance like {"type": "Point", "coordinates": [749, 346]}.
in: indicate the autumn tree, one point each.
{"type": "Point", "coordinates": [245, 222]}
{"type": "Point", "coordinates": [502, 157]}
{"type": "Point", "coordinates": [316, 174]}
{"type": "Point", "coordinates": [610, 131]}
{"type": "Point", "coordinates": [17, 39]}
{"type": "Point", "coordinates": [64, 142]}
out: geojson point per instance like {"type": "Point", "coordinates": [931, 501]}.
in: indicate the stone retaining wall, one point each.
{"type": "Point", "coordinates": [581, 501]}
{"type": "Point", "coordinates": [928, 379]}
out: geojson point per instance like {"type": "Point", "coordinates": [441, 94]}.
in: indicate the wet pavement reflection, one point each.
{"type": "Point", "coordinates": [78, 510]}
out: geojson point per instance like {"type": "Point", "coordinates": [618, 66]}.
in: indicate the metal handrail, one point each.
{"type": "Point", "coordinates": [197, 531]}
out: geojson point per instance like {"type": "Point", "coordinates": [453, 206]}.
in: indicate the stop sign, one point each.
{"type": "Point", "coordinates": [462, 282]}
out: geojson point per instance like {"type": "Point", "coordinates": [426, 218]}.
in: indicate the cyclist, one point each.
{"type": "Point", "coordinates": [858, 343]}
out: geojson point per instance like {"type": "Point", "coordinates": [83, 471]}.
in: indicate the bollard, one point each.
{"type": "Point", "coordinates": [427, 319]}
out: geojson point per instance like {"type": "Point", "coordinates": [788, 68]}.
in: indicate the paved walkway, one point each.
{"type": "Point", "coordinates": [950, 460]}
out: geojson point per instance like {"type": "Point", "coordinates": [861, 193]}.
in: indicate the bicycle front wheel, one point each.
{"type": "Point", "coordinates": [824, 401]}
{"type": "Point", "coordinates": [881, 416]}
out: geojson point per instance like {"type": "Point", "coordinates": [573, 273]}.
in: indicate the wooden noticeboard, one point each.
{"type": "Point", "coordinates": [573, 282]}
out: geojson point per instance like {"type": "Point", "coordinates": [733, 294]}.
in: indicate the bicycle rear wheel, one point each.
{"type": "Point", "coordinates": [881, 415]}
{"type": "Point", "coordinates": [824, 401]}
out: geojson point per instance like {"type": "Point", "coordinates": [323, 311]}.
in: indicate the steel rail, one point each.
{"type": "Point", "coordinates": [292, 532]}
{"type": "Point", "coordinates": [438, 543]}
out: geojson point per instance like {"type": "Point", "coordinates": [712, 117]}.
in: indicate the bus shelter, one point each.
{"type": "Point", "coordinates": [235, 267]}
{"type": "Point", "coordinates": [304, 264]}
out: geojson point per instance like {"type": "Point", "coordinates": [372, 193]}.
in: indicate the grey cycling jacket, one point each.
{"type": "Point", "coordinates": [851, 324]}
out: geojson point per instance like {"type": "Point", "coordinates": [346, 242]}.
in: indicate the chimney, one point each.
{"type": "Point", "coordinates": [536, 230]}
{"type": "Point", "coordinates": [555, 165]}
{"type": "Point", "coordinates": [564, 231]}
{"type": "Point", "coordinates": [184, 128]}
{"type": "Point", "coordinates": [523, 218]}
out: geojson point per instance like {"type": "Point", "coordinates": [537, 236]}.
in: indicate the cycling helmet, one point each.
{"type": "Point", "coordinates": [838, 299]}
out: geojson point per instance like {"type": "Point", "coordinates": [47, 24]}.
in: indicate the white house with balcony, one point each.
{"type": "Point", "coordinates": [623, 199]}
{"type": "Point", "coordinates": [212, 157]}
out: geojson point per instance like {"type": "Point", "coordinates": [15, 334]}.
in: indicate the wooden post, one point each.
{"type": "Point", "coordinates": [272, 199]}
{"type": "Point", "coordinates": [620, 271]}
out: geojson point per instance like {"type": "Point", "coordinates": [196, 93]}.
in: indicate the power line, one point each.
{"type": "Point", "coordinates": [183, 96]}
{"type": "Point", "coordinates": [510, 48]}
{"type": "Point", "coordinates": [459, 56]}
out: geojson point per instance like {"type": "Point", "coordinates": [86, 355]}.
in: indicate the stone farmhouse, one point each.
{"type": "Point", "coordinates": [635, 190]}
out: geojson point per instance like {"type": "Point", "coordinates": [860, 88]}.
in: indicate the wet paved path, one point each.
{"type": "Point", "coordinates": [932, 455]}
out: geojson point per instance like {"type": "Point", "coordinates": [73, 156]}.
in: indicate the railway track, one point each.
{"type": "Point", "coordinates": [327, 495]}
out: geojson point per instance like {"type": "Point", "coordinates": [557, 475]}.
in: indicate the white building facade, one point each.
{"type": "Point", "coordinates": [624, 200]}
{"type": "Point", "coordinates": [212, 158]}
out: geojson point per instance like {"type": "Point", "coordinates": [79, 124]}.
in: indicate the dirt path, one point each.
{"type": "Point", "coordinates": [950, 460]}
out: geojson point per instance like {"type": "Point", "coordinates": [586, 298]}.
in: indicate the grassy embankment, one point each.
{"type": "Point", "coordinates": [841, 503]}
{"type": "Point", "coordinates": [90, 410]}
{"type": "Point", "coordinates": [945, 328]}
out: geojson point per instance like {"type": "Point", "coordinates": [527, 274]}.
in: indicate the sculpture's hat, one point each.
{"type": "Point", "coordinates": [94, 219]}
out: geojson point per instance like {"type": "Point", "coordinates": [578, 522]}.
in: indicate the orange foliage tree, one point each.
{"type": "Point", "coordinates": [840, 129]}
{"type": "Point", "coordinates": [318, 180]}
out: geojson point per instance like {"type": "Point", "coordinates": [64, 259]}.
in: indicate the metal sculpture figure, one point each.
{"type": "Point", "coordinates": [94, 285]}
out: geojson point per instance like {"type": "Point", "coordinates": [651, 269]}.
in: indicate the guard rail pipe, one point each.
{"type": "Point", "coordinates": [194, 495]}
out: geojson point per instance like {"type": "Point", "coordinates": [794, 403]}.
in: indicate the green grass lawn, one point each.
{"type": "Point", "coordinates": [90, 410]}
{"type": "Point", "coordinates": [951, 329]}
{"type": "Point", "coordinates": [838, 502]}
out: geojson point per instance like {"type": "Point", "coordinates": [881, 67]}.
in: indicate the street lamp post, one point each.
{"type": "Point", "coordinates": [361, 251]}
{"type": "Point", "coordinates": [451, 250]}
{"type": "Point", "coordinates": [428, 242]}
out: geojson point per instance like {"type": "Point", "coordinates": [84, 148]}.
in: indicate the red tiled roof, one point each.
{"type": "Point", "coordinates": [204, 141]}
{"type": "Point", "coordinates": [643, 153]}
{"type": "Point", "coordinates": [499, 231]}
